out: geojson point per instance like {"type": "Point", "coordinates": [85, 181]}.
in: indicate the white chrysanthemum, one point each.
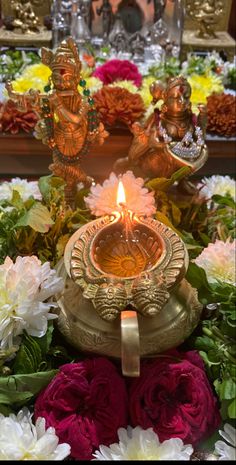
{"type": "Point", "coordinates": [103, 199]}
{"type": "Point", "coordinates": [139, 444]}
{"type": "Point", "coordinates": [24, 187]}
{"type": "Point", "coordinates": [20, 439]}
{"type": "Point", "coordinates": [24, 287]}
{"type": "Point", "coordinates": [223, 450]}
{"type": "Point", "coordinates": [218, 261]}
{"type": "Point", "coordinates": [217, 185]}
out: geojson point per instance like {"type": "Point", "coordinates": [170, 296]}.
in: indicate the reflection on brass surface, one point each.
{"type": "Point", "coordinates": [167, 306]}
{"type": "Point", "coordinates": [68, 122]}
{"type": "Point", "coordinates": [166, 268]}
{"type": "Point", "coordinates": [170, 138]}
{"type": "Point", "coordinates": [82, 326]}
{"type": "Point", "coordinates": [130, 343]}
{"type": "Point", "coordinates": [207, 14]}
{"type": "Point", "coordinates": [115, 255]}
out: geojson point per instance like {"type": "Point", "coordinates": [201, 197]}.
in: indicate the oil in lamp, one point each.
{"type": "Point", "coordinates": [125, 294]}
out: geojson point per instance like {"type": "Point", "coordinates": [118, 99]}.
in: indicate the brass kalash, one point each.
{"type": "Point", "coordinates": [125, 294]}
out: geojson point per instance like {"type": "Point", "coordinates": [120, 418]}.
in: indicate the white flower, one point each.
{"type": "Point", "coordinates": [20, 439]}
{"type": "Point", "coordinates": [24, 286]}
{"type": "Point", "coordinates": [217, 185]}
{"type": "Point", "coordinates": [25, 189]}
{"type": "Point", "coordinates": [222, 449]}
{"type": "Point", "coordinates": [103, 199]}
{"type": "Point", "coordinates": [139, 444]}
{"type": "Point", "coordinates": [218, 261]}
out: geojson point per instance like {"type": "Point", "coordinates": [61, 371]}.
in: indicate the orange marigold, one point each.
{"type": "Point", "coordinates": [115, 104]}
{"type": "Point", "coordinates": [14, 121]}
{"type": "Point", "coordinates": [221, 114]}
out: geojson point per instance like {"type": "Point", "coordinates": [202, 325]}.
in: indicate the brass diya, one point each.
{"type": "Point", "coordinates": [125, 294]}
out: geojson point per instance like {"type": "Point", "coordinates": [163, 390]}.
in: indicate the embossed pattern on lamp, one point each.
{"type": "Point", "coordinates": [126, 248]}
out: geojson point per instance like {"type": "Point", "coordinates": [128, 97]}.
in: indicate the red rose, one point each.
{"type": "Point", "coordinates": [86, 403]}
{"type": "Point", "coordinates": [175, 398]}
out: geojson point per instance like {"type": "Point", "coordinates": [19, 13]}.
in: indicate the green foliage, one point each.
{"type": "Point", "coordinates": [13, 62]}
{"type": "Point", "coordinates": [40, 228]}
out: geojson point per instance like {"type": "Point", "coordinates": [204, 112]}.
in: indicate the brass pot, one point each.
{"type": "Point", "coordinates": [163, 308]}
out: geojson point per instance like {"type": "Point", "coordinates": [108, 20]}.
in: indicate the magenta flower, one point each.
{"type": "Point", "coordinates": [118, 70]}
{"type": "Point", "coordinates": [86, 403]}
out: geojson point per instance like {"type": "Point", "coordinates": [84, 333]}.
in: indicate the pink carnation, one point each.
{"type": "Point", "coordinates": [174, 397]}
{"type": "Point", "coordinates": [118, 70]}
{"type": "Point", "coordinates": [86, 403]}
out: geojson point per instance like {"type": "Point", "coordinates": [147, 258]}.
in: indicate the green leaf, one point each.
{"type": "Point", "coordinates": [163, 219]}
{"type": "Point", "coordinates": [163, 184]}
{"type": "Point", "coordinates": [176, 213]}
{"type": "Point", "coordinates": [197, 276]}
{"type": "Point", "coordinates": [18, 389]}
{"type": "Point", "coordinates": [224, 200]}
{"type": "Point", "coordinates": [204, 343]}
{"type": "Point", "coordinates": [28, 357]}
{"type": "Point", "coordinates": [47, 183]}
{"type": "Point", "coordinates": [38, 218]}
{"type": "Point", "coordinates": [232, 409]}
{"type": "Point", "coordinates": [226, 389]}
{"type": "Point", "coordinates": [45, 341]}
{"type": "Point", "coordinates": [16, 200]}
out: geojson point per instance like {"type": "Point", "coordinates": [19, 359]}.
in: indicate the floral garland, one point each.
{"type": "Point", "coordinates": [57, 403]}
{"type": "Point", "coordinates": [207, 76]}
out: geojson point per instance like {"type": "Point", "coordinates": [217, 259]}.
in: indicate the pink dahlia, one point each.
{"type": "Point", "coordinates": [86, 403]}
{"type": "Point", "coordinates": [118, 70]}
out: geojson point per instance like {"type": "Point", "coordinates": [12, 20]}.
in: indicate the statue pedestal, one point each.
{"type": "Point", "coordinates": [16, 38]}
{"type": "Point", "coordinates": [223, 41]}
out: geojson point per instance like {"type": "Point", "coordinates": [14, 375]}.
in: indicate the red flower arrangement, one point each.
{"type": "Point", "coordinates": [118, 70]}
{"type": "Point", "coordinates": [86, 403]}
{"type": "Point", "coordinates": [174, 397]}
{"type": "Point", "coordinates": [14, 121]}
{"type": "Point", "coordinates": [221, 114]}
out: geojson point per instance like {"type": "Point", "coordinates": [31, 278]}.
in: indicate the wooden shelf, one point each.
{"type": "Point", "coordinates": [23, 155]}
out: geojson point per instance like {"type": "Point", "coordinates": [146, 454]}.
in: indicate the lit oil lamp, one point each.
{"type": "Point", "coordinates": [125, 294]}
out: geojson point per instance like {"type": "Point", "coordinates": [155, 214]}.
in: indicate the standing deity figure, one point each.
{"type": "Point", "coordinates": [107, 17]}
{"type": "Point", "coordinates": [207, 13]}
{"type": "Point", "coordinates": [171, 138]}
{"type": "Point", "coordinates": [25, 17]}
{"type": "Point", "coordinates": [68, 121]}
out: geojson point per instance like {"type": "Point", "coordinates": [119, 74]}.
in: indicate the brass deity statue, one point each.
{"type": "Point", "coordinates": [25, 17]}
{"type": "Point", "coordinates": [171, 138]}
{"type": "Point", "coordinates": [207, 13]}
{"type": "Point", "coordinates": [68, 122]}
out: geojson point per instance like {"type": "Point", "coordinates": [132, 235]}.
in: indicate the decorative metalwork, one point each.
{"type": "Point", "coordinates": [24, 16]}
{"type": "Point", "coordinates": [170, 138]}
{"type": "Point", "coordinates": [68, 121]}
{"type": "Point", "coordinates": [207, 14]}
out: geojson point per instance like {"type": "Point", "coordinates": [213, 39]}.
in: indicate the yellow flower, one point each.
{"type": "Point", "coordinates": [128, 85]}
{"type": "Point", "coordinates": [145, 92]}
{"type": "Point", "coordinates": [203, 86]}
{"type": "Point", "coordinates": [92, 83]}
{"type": "Point", "coordinates": [34, 77]}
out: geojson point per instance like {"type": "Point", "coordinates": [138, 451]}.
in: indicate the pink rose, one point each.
{"type": "Point", "coordinates": [173, 395]}
{"type": "Point", "coordinates": [118, 70]}
{"type": "Point", "coordinates": [86, 403]}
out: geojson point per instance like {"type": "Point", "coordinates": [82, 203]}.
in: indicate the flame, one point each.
{"type": "Point", "coordinates": [121, 198]}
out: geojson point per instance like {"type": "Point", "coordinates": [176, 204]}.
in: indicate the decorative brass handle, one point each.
{"type": "Point", "coordinates": [130, 346]}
